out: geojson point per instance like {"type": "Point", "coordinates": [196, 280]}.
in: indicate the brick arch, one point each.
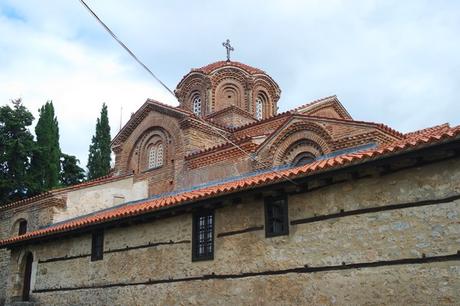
{"type": "Point", "coordinates": [169, 125]}
{"type": "Point", "coordinates": [18, 268]}
{"type": "Point", "coordinates": [191, 83]}
{"type": "Point", "coordinates": [316, 137]}
{"type": "Point", "coordinates": [233, 76]}
{"type": "Point", "coordinates": [299, 147]}
{"type": "Point", "coordinates": [229, 92]}
{"type": "Point", "coordinates": [139, 152]}
{"type": "Point", "coordinates": [14, 228]}
{"type": "Point", "coordinates": [264, 83]}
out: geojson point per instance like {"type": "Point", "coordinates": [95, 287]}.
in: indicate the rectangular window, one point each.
{"type": "Point", "coordinates": [97, 245]}
{"type": "Point", "coordinates": [203, 235]}
{"type": "Point", "coordinates": [276, 216]}
{"type": "Point", "coordinates": [22, 227]}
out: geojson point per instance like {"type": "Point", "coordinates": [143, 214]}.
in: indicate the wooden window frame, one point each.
{"type": "Point", "coordinates": [97, 245]}
{"type": "Point", "coordinates": [195, 232]}
{"type": "Point", "coordinates": [269, 202]}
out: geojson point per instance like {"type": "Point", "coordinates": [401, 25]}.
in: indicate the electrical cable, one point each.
{"type": "Point", "coordinates": [125, 47]}
{"type": "Point", "coordinates": [251, 156]}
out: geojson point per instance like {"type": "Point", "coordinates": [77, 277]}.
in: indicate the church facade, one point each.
{"type": "Point", "coordinates": [223, 200]}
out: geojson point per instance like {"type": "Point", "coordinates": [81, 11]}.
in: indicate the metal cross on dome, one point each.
{"type": "Point", "coordinates": [228, 47]}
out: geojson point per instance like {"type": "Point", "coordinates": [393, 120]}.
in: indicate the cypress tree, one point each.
{"type": "Point", "coordinates": [99, 150]}
{"type": "Point", "coordinates": [71, 173]}
{"type": "Point", "coordinates": [16, 147]}
{"type": "Point", "coordinates": [46, 162]}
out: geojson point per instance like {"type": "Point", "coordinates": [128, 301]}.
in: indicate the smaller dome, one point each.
{"type": "Point", "coordinates": [221, 64]}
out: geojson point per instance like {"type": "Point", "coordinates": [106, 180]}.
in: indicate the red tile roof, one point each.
{"type": "Point", "coordinates": [220, 64]}
{"type": "Point", "coordinates": [218, 147]}
{"type": "Point", "coordinates": [101, 180]}
{"type": "Point", "coordinates": [306, 105]}
{"type": "Point", "coordinates": [380, 126]}
{"type": "Point", "coordinates": [436, 128]}
{"type": "Point", "coordinates": [150, 205]}
{"type": "Point", "coordinates": [229, 109]}
{"type": "Point", "coordinates": [140, 114]}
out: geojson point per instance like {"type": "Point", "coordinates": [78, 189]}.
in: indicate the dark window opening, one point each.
{"type": "Point", "coordinates": [276, 216]}
{"type": "Point", "coordinates": [27, 277]}
{"type": "Point", "coordinates": [203, 235]}
{"type": "Point", "coordinates": [97, 245]}
{"type": "Point", "coordinates": [303, 159]}
{"type": "Point", "coordinates": [22, 227]}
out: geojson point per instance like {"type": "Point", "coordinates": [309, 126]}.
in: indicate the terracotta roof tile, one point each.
{"type": "Point", "coordinates": [56, 191]}
{"type": "Point", "coordinates": [149, 205]}
{"type": "Point", "coordinates": [231, 108]}
{"type": "Point", "coordinates": [329, 98]}
{"type": "Point", "coordinates": [435, 128]}
{"type": "Point", "coordinates": [218, 147]}
{"type": "Point", "coordinates": [220, 64]}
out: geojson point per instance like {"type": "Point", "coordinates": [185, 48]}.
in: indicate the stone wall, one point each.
{"type": "Point", "coordinates": [86, 200]}
{"type": "Point", "coordinates": [4, 260]}
{"type": "Point", "coordinates": [37, 215]}
{"type": "Point", "coordinates": [324, 262]}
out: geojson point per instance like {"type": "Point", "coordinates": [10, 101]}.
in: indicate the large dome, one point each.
{"type": "Point", "coordinates": [228, 84]}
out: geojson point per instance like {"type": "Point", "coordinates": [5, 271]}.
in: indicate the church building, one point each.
{"type": "Point", "coordinates": [224, 200]}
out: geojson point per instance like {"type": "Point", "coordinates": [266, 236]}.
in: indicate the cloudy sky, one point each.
{"type": "Point", "coordinates": [395, 62]}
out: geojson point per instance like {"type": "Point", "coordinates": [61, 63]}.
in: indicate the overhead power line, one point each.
{"type": "Point", "coordinates": [125, 47]}
{"type": "Point", "coordinates": [218, 131]}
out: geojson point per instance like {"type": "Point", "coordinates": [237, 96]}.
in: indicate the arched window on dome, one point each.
{"type": "Point", "coordinates": [155, 156]}
{"type": "Point", "coordinates": [303, 159]}
{"type": "Point", "coordinates": [196, 105]}
{"type": "Point", "coordinates": [261, 106]}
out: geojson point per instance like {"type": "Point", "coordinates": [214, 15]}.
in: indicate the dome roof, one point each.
{"type": "Point", "coordinates": [220, 64]}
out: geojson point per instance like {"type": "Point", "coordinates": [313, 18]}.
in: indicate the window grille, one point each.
{"type": "Point", "coordinates": [259, 108]}
{"type": "Point", "coordinates": [152, 157]}
{"type": "Point", "coordinates": [155, 156]}
{"type": "Point", "coordinates": [197, 105]}
{"type": "Point", "coordinates": [159, 157]}
{"type": "Point", "coordinates": [276, 216]}
{"type": "Point", "coordinates": [203, 236]}
{"type": "Point", "coordinates": [97, 245]}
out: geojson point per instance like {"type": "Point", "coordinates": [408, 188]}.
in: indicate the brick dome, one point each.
{"type": "Point", "coordinates": [228, 84]}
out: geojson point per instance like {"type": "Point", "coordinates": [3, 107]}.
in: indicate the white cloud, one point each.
{"type": "Point", "coordinates": [41, 65]}
{"type": "Point", "coordinates": [388, 61]}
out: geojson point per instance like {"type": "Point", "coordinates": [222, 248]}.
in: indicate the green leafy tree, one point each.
{"type": "Point", "coordinates": [71, 172]}
{"type": "Point", "coordinates": [16, 148]}
{"type": "Point", "coordinates": [46, 163]}
{"type": "Point", "coordinates": [99, 150]}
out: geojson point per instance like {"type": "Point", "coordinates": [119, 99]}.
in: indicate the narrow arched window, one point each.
{"type": "Point", "coordinates": [155, 156]}
{"type": "Point", "coordinates": [196, 105]}
{"type": "Point", "coordinates": [259, 108]}
{"type": "Point", "coordinates": [152, 157]}
{"type": "Point", "coordinates": [22, 227]}
{"type": "Point", "coordinates": [159, 157]}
